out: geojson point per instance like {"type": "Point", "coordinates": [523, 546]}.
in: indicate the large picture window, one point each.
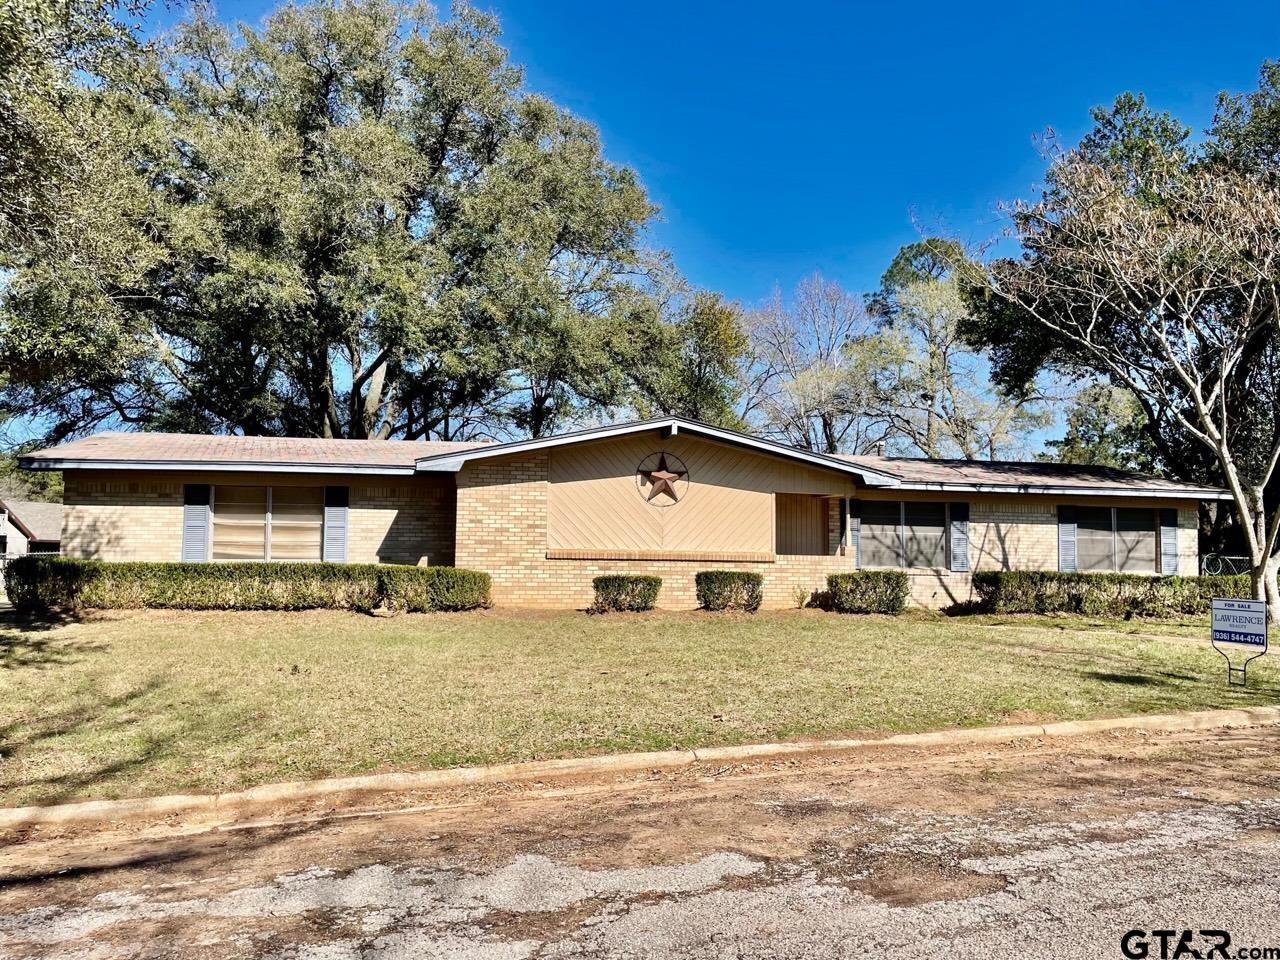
{"type": "Point", "coordinates": [903, 534]}
{"type": "Point", "coordinates": [1116, 539]}
{"type": "Point", "coordinates": [268, 523]}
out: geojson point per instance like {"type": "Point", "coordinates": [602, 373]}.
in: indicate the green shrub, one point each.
{"type": "Point", "coordinates": [625, 592]}
{"type": "Point", "coordinates": [729, 590]}
{"type": "Point", "coordinates": [42, 583]}
{"type": "Point", "coordinates": [423, 589]}
{"type": "Point", "coordinates": [1120, 595]}
{"type": "Point", "coordinates": [869, 591]}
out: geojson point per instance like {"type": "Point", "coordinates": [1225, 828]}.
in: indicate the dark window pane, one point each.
{"type": "Point", "coordinates": [1136, 540]}
{"type": "Point", "coordinates": [878, 540]}
{"type": "Point", "coordinates": [1094, 540]}
{"type": "Point", "coordinates": [926, 534]}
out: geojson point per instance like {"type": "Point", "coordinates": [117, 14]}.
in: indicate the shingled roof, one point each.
{"type": "Point", "coordinates": [918, 473]}
{"type": "Point", "coordinates": [192, 450]}
{"type": "Point", "coordinates": [177, 451]}
{"type": "Point", "coordinates": [38, 521]}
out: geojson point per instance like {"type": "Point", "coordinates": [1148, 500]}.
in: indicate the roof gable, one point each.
{"type": "Point", "coordinates": [36, 520]}
{"type": "Point", "coordinates": [453, 462]}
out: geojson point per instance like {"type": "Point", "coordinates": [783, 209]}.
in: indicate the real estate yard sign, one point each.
{"type": "Point", "coordinates": [1240, 627]}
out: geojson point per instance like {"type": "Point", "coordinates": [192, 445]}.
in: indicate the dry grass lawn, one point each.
{"type": "Point", "coordinates": [138, 703]}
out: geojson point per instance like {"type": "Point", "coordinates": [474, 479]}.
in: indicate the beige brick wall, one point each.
{"type": "Point", "coordinates": [402, 522]}
{"type": "Point", "coordinates": [121, 516]}
{"type": "Point", "coordinates": [502, 529]}
{"type": "Point", "coordinates": [1188, 540]}
{"type": "Point", "coordinates": [125, 516]}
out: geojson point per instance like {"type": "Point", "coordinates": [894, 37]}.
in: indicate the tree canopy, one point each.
{"type": "Point", "coordinates": [351, 222]}
{"type": "Point", "coordinates": [1153, 263]}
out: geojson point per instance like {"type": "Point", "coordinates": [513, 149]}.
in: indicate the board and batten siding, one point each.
{"type": "Point", "coordinates": [801, 524]}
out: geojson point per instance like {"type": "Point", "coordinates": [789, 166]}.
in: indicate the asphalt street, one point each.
{"type": "Point", "coordinates": [1026, 849]}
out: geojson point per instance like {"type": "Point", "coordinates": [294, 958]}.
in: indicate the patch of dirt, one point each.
{"type": "Point", "coordinates": [551, 925]}
{"type": "Point", "coordinates": [1026, 716]}
{"type": "Point", "coordinates": [929, 885]}
{"type": "Point", "coordinates": [1259, 835]}
{"type": "Point", "coordinates": [1107, 835]}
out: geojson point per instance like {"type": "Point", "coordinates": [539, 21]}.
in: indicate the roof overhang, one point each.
{"type": "Point", "coordinates": [1049, 490]}
{"type": "Point", "coordinates": [214, 466]}
{"type": "Point", "coordinates": [669, 426]}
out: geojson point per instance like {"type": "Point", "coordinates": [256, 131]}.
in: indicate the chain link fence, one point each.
{"type": "Point", "coordinates": [1220, 563]}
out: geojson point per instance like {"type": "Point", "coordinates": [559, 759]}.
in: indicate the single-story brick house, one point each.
{"type": "Point", "coordinates": [665, 496]}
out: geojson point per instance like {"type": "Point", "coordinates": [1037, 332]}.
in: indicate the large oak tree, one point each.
{"type": "Point", "coordinates": [353, 221]}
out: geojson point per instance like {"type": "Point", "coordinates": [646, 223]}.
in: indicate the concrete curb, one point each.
{"type": "Point", "coordinates": [230, 803]}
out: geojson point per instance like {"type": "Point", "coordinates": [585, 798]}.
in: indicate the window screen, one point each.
{"type": "Point", "coordinates": [1136, 540]}
{"type": "Point", "coordinates": [926, 534]}
{"type": "Point", "coordinates": [240, 523]}
{"type": "Point", "coordinates": [260, 523]}
{"type": "Point", "coordinates": [297, 523]}
{"type": "Point", "coordinates": [1095, 545]}
{"type": "Point", "coordinates": [879, 540]}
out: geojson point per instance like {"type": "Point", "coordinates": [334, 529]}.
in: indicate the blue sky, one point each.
{"type": "Point", "coordinates": [780, 139]}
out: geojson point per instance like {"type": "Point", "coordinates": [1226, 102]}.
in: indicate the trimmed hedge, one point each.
{"type": "Point", "coordinates": [625, 592]}
{"type": "Point", "coordinates": [42, 583]}
{"type": "Point", "coordinates": [729, 590]}
{"type": "Point", "coordinates": [427, 589]}
{"type": "Point", "coordinates": [869, 591]}
{"type": "Point", "coordinates": [1103, 594]}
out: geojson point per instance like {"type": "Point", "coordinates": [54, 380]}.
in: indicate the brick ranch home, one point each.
{"type": "Point", "coordinates": [666, 496]}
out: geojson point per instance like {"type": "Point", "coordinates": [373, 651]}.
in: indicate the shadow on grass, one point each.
{"type": "Point", "coordinates": [112, 719]}
{"type": "Point", "coordinates": [1135, 679]}
{"type": "Point", "coordinates": [12, 620]}
{"type": "Point", "coordinates": [24, 641]}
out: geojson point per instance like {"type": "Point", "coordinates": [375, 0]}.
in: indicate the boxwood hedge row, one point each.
{"type": "Point", "coordinates": [39, 584]}
{"type": "Point", "coordinates": [1103, 594]}
{"type": "Point", "coordinates": [625, 592]}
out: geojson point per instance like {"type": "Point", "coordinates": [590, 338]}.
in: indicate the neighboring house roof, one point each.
{"type": "Point", "coordinates": [185, 451]}
{"type": "Point", "coordinates": [452, 462]}
{"type": "Point", "coordinates": [40, 522]}
{"type": "Point", "coordinates": [1009, 476]}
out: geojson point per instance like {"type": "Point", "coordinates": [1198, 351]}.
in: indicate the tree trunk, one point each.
{"type": "Point", "coordinates": [1266, 586]}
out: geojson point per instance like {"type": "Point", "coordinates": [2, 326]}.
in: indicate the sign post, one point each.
{"type": "Point", "coordinates": [1239, 626]}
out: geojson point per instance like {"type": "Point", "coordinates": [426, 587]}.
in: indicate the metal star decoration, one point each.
{"type": "Point", "coordinates": [662, 479]}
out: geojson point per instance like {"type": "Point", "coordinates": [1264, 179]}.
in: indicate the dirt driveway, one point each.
{"type": "Point", "coordinates": [1025, 849]}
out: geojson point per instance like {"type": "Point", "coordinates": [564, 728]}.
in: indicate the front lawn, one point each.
{"type": "Point", "coordinates": [131, 704]}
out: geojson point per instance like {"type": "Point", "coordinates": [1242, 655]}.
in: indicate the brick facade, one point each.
{"type": "Point", "coordinates": [496, 519]}
{"type": "Point", "coordinates": [120, 516]}
{"type": "Point", "coordinates": [502, 529]}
